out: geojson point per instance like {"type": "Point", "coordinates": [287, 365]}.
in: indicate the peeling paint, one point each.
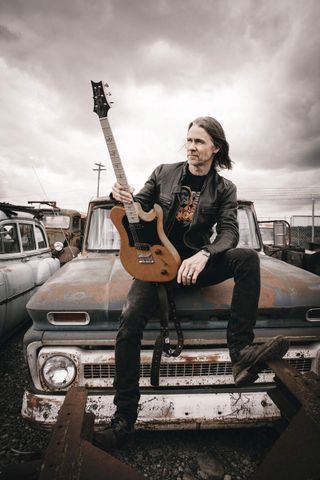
{"type": "Point", "coordinates": [167, 410]}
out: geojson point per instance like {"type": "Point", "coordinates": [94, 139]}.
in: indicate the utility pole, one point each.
{"type": "Point", "coordinates": [312, 220]}
{"type": "Point", "coordinates": [99, 170]}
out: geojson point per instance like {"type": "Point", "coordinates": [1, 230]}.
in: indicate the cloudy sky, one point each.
{"type": "Point", "coordinates": [252, 64]}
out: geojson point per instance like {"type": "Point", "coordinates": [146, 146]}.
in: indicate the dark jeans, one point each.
{"type": "Point", "coordinates": [238, 263]}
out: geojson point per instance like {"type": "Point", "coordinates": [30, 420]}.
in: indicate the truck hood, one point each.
{"type": "Point", "coordinates": [99, 285]}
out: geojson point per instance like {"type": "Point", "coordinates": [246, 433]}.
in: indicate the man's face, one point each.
{"type": "Point", "coordinates": [200, 148]}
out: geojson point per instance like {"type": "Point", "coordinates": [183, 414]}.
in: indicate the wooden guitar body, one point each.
{"type": "Point", "coordinates": [145, 252]}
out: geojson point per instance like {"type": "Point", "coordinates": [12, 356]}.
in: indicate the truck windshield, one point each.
{"type": "Point", "coordinates": [103, 235]}
{"type": "Point", "coordinates": [56, 221]}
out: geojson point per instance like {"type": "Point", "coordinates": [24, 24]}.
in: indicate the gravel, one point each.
{"type": "Point", "coordinates": [230, 454]}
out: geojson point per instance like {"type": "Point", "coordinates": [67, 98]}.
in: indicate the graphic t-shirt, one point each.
{"type": "Point", "coordinates": [188, 201]}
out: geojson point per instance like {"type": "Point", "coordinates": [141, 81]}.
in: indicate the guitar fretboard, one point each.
{"type": "Point", "coordinates": [118, 168]}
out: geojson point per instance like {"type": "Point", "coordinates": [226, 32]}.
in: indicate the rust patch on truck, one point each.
{"type": "Point", "coordinates": [275, 290]}
{"type": "Point", "coordinates": [38, 404]}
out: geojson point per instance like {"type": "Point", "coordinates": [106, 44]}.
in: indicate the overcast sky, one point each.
{"type": "Point", "coordinates": [252, 64]}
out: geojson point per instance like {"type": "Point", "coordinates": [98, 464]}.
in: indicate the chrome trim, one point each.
{"type": "Point", "coordinates": [52, 387]}
{"type": "Point", "coordinates": [313, 319]}
{"type": "Point", "coordinates": [190, 370]}
{"type": "Point", "coordinates": [305, 358]}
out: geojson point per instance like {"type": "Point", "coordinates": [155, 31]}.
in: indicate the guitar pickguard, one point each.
{"type": "Point", "coordinates": [145, 233]}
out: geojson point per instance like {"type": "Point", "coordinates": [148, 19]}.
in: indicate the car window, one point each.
{"type": "Point", "coordinates": [56, 221]}
{"type": "Point", "coordinates": [27, 236]}
{"type": "Point", "coordinates": [104, 236]}
{"type": "Point", "coordinates": [247, 230]}
{"type": "Point", "coordinates": [40, 238]}
{"type": "Point", "coordinates": [102, 233]}
{"type": "Point", "coordinates": [9, 242]}
{"type": "Point", "coordinates": [76, 223]}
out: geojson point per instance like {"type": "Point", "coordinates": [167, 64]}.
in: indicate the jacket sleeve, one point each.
{"type": "Point", "coordinates": [148, 194]}
{"type": "Point", "coordinates": [227, 223]}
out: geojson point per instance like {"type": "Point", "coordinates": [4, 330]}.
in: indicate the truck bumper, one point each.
{"type": "Point", "coordinates": [166, 411]}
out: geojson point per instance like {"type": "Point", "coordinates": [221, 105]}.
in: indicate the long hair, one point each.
{"type": "Point", "coordinates": [216, 132]}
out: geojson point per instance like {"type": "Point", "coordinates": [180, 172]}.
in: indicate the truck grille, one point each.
{"type": "Point", "coordinates": [167, 370]}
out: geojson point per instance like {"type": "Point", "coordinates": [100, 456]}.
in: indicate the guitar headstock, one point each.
{"type": "Point", "coordinates": [101, 104]}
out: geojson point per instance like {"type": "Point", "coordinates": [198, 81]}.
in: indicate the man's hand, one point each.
{"type": "Point", "coordinates": [121, 194]}
{"type": "Point", "coordinates": [191, 267]}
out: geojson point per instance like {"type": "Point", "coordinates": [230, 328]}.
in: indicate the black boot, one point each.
{"type": "Point", "coordinates": [251, 359]}
{"type": "Point", "coordinates": [117, 435]}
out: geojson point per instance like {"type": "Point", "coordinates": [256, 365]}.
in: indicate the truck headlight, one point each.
{"type": "Point", "coordinates": [58, 371]}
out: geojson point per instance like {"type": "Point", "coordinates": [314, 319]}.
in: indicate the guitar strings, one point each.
{"type": "Point", "coordinates": [134, 232]}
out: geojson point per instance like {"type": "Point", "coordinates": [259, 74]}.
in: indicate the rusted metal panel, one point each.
{"type": "Point", "coordinates": [63, 456]}
{"type": "Point", "coordinates": [305, 391]}
{"type": "Point", "coordinates": [71, 457]}
{"type": "Point", "coordinates": [99, 284]}
{"type": "Point", "coordinates": [163, 410]}
{"type": "Point", "coordinates": [295, 454]}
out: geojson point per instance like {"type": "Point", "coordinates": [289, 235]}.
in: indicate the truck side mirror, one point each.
{"type": "Point", "coordinates": [275, 233]}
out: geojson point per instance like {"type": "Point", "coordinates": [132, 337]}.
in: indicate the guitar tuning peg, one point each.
{"type": "Point", "coordinates": [106, 85]}
{"type": "Point", "coordinates": [111, 102]}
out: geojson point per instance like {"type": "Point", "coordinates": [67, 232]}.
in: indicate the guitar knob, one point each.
{"type": "Point", "coordinates": [158, 251]}
{"type": "Point", "coordinates": [164, 272]}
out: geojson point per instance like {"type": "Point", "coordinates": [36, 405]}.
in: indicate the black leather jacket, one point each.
{"type": "Point", "coordinates": [217, 206]}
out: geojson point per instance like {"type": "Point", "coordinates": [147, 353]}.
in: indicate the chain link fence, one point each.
{"type": "Point", "coordinates": [301, 230]}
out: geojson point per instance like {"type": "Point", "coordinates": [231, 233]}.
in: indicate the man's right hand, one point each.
{"type": "Point", "coordinates": [122, 194]}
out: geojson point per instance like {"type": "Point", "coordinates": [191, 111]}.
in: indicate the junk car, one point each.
{"type": "Point", "coordinates": [62, 224]}
{"type": "Point", "coordinates": [277, 242]}
{"type": "Point", "coordinates": [25, 263]}
{"type": "Point", "coordinates": [75, 320]}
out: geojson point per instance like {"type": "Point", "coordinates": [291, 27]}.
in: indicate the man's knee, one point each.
{"type": "Point", "coordinates": [248, 255]}
{"type": "Point", "coordinates": [245, 259]}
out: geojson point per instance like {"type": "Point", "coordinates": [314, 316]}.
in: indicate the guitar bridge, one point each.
{"type": "Point", "coordinates": [145, 258]}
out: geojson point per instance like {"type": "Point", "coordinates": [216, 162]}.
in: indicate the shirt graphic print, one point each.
{"type": "Point", "coordinates": [188, 203]}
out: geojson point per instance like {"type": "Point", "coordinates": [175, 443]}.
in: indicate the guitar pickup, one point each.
{"type": "Point", "coordinates": [142, 246]}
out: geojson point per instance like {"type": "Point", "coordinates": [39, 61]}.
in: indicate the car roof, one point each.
{"type": "Point", "coordinates": [16, 212]}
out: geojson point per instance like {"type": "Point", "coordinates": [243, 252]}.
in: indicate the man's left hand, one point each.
{"type": "Point", "coordinates": [190, 268]}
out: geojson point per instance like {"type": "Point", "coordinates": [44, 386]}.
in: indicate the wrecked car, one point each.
{"type": "Point", "coordinates": [62, 224]}
{"type": "Point", "coordinates": [25, 263]}
{"type": "Point", "coordinates": [75, 320]}
{"type": "Point", "coordinates": [277, 242]}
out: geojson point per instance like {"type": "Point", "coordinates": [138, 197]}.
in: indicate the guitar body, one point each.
{"type": "Point", "coordinates": [145, 251]}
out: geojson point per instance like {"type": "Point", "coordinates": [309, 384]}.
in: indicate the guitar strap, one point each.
{"type": "Point", "coordinates": [167, 312]}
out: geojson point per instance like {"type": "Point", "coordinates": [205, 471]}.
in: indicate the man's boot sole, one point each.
{"type": "Point", "coordinates": [275, 351]}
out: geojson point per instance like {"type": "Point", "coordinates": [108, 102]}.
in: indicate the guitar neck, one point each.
{"type": "Point", "coordinates": [118, 167]}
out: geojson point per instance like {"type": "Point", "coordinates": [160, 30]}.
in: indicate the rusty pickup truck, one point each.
{"type": "Point", "coordinates": [75, 320]}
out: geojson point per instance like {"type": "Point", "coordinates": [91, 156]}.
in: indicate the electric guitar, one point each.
{"type": "Point", "coordinates": [145, 251]}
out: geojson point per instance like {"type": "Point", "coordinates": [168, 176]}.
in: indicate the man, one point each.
{"type": "Point", "coordinates": [194, 198]}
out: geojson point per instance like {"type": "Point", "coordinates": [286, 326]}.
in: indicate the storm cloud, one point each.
{"type": "Point", "coordinates": [253, 64]}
